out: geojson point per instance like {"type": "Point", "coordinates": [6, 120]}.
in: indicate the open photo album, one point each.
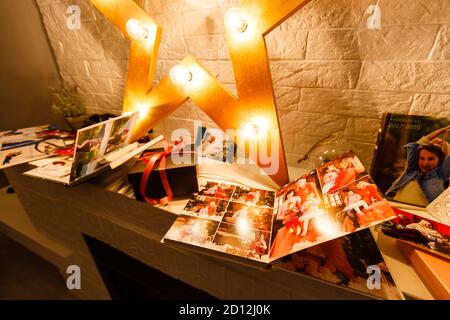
{"type": "Point", "coordinates": [100, 147]}
{"type": "Point", "coordinates": [332, 201]}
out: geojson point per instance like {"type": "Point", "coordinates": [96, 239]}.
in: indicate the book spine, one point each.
{"type": "Point", "coordinates": [377, 154]}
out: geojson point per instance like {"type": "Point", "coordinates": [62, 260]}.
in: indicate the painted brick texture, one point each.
{"type": "Point", "coordinates": [330, 71]}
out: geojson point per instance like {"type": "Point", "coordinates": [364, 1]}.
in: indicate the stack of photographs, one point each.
{"type": "Point", "coordinates": [337, 199]}
{"type": "Point", "coordinates": [28, 144]}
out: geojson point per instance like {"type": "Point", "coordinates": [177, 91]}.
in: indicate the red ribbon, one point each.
{"type": "Point", "coordinates": [151, 159]}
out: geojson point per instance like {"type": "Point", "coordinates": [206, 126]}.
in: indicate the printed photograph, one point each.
{"type": "Point", "coordinates": [193, 230]}
{"type": "Point", "coordinates": [216, 190]}
{"type": "Point", "coordinates": [214, 144]}
{"type": "Point", "coordinates": [119, 132]}
{"type": "Point", "coordinates": [426, 234]}
{"type": "Point", "coordinates": [247, 216]}
{"type": "Point", "coordinates": [242, 241]}
{"type": "Point", "coordinates": [206, 207]}
{"type": "Point", "coordinates": [358, 205]}
{"type": "Point", "coordinates": [412, 163]}
{"type": "Point", "coordinates": [345, 262]}
{"type": "Point", "coordinates": [88, 150]}
{"type": "Point", "coordinates": [340, 172]}
{"type": "Point", "coordinates": [301, 219]}
{"type": "Point", "coordinates": [254, 197]}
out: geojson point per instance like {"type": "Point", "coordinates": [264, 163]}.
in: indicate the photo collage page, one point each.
{"type": "Point", "coordinates": [228, 218]}
{"type": "Point", "coordinates": [336, 199]}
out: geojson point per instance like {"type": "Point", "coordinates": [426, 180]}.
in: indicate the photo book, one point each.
{"type": "Point", "coordinates": [332, 201]}
{"type": "Point", "coordinates": [28, 144]}
{"type": "Point", "coordinates": [347, 262]}
{"type": "Point", "coordinates": [426, 234]}
{"type": "Point", "coordinates": [98, 148]}
{"type": "Point", "coordinates": [412, 160]}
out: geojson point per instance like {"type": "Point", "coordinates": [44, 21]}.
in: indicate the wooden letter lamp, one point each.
{"type": "Point", "coordinates": [255, 105]}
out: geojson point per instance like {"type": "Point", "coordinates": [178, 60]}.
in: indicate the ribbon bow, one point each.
{"type": "Point", "coordinates": [150, 159]}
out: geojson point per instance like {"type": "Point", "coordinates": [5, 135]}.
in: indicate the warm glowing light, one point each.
{"type": "Point", "coordinates": [249, 130]}
{"type": "Point", "coordinates": [253, 128]}
{"type": "Point", "coordinates": [180, 75]}
{"type": "Point", "coordinates": [143, 111]}
{"type": "Point", "coordinates": [137, 29]}
{"type": "Point", "coordinates": [235, 19]}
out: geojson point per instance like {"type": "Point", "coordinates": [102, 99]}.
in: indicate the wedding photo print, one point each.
{"type": "Point", "coordinates": [412, 162]}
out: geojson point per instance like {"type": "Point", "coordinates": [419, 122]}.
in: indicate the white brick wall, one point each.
{"type": "Point", "coordinates": [330, 72]}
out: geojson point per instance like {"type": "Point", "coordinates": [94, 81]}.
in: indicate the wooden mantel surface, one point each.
{"type": "Point", "coordinates": [63, 214]}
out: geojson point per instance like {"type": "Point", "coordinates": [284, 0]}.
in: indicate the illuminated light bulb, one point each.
{"type": "Point", "coordinates": [180, 76]}
{"type": "Point", "coordinates": [137, 29]}
{"type": "Point", "coordinates": [249, 130]}
{"type": "Point", "coordinates": [143, 112]}
{"type": "Point", "coordinates": [236, 20]}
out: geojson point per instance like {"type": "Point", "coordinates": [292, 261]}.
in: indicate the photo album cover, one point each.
{"type": "Point", "coordinates": [99, 147]}
{"type": "Point", "coordinates": [423, 233]}
{"type": "Point", "coordinates": [346, 262]}
{"type": "Point", "coordinates": [412, 160]}
{"type": "Point", "coordinates": [334, 200]}
{"type": "Point", "coordinates": [28, 144]}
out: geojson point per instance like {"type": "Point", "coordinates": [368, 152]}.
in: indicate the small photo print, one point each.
{"type": "Point", "coordinates": [242, 241]}
{"type": "Point", "coordinates": [249, 216]}
{"type": "Point", "coordinates": [192, 230]}
{"type": "Point", "coordinates": [358, 205]}
{"type": "Point", "coordinates": [120, 131]}
{"type": "Point", "coordinates": [254, 197]}
{"type": "Point", "coordinates": [88, 150]}
{"type": "Point", "coordinates": [216, 190]}
{"type": "Point", "coordinates": [206, 207]}
{"type": "Point", "coordinates": [340, 172]}
{"type": "Point", "coordinates": [214, 144]}
{"type": "Point", "coordinates": [423, 233]}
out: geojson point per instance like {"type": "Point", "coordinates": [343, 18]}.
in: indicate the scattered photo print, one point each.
{"type": "Point", "coordinates": [254, 197]}
{"type": "Point", "coordinates": [217, 190]}
{"type": "Point", "coordinates": [242, 241]}
{"type": "Point", "coordinates": [340, 172]}
{"type": "Point", "coordinates": [206, 207]}
{"type": "Point", "coordinates": [90, 147]}
{"type": "Point", "coordinates": [345, 262]}
{"type": "Point", "coordinates": [192, 230]}
{"type": "Point", "coordinates": [214, 144]}
{"type": "Point", "coordinates": [358, 205]}
{"type": "Point", "coordinates": [120, 131]}
{"type": "Point", "coordinates": [247, 216]}
{"type": "Point", "coordinates": [423, 233]}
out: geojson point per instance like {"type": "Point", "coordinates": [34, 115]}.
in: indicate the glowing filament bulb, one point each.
{"type": "Point", "coordinates": [180, 76]}
{"type": "Point", "coordinates": [235, 19]}
{"type": "Point", "coordinates": [249, 130]}
{"type": "Point", "coordinates": [137, 29]}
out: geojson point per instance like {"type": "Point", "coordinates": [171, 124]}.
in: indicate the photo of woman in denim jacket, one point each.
{"type": "Point", "coordinates": [427, 171]}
